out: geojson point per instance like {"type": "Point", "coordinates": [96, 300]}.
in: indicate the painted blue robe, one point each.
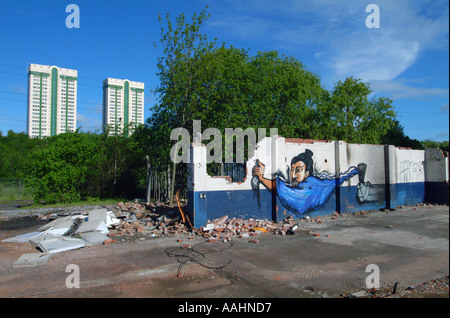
{"type": "Point", "coordinates": [310, 195]}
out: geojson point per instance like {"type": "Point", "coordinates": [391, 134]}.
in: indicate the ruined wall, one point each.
{"type": "Point", "coordinates": [212, 197]}
{"type": "Point", "coordinates": [367, 190]}
{"type": "Point", "coordinates": [309, 178]}
{"type": "Point", "coordinates": [409, 177]}
{"type": "Point", "coordinates": [311, 194]}
{"type": "Point", "coordinates": [436, 176]}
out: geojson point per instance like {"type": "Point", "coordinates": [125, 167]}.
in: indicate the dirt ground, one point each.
{"type": "Point", "coordinates": [410, 247]}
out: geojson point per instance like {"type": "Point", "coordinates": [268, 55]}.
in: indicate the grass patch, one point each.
{"type": "Point", "coordinates": [92, 201]}
{"type": "Point", "coordinates": [9, 193]}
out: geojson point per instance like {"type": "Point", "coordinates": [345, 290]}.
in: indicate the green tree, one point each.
{"type": "Point", "coordinates": [435, 144]}
{"type": "Point", "coordinates": [182, 45]}
{"type": "Point", "coordinates": [283, 94]}
{"type": "Point", "coordinates": [225, 87]}
{"type": "Point", "coordinates": [66, 169]}
{"type": "Point", "coordinates": [397, 137]}
{"type": "Point", "coordinates": [444, 145]}
{"type": "Point", "coordinates": [350, 115]}
{"type": "Point", "coordinates": [234, 90]}
{"type": "Point", "coordinates": [122, 168]}
{"type": "Point", "coordinates": [15, 152]}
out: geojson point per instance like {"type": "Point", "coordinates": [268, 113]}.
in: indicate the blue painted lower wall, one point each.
{"type": "Point", "coordinates": [350, 203]}
{"type": "Point", "coordinates": [209, 205]}
{"type": "Point", "coordinates": [409, 193]}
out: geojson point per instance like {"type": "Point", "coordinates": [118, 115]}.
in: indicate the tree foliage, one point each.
{"type": "Point", "coordinates": [443, 145]}
{"type": "Point", "coordinates": [178, 67]}
{"type": "Point", "coordinates": [64, 171]}
{"type": "Point", "coordinates": [226, 87]}
{"type": "Point", "coordinates": [397, 137]}
{"type": "Point", "coordinates": [349, 114]}
{"type": "Point", "coordinates": [232, 89]}
{"type": "Point", "coordinates": [77, 166]}
{"type": "Point", "coordinates": [15, 154]}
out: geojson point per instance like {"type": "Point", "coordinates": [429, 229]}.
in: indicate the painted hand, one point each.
{"type": "Point", "coordinates": [259, 170]}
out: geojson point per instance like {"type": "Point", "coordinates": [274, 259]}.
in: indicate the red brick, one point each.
{"type": "Point", "coordinates": [140, 229]}
{"type": "Point", "coordinates": [109, 241]}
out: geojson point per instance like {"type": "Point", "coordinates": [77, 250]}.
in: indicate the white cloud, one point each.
{"type": "Point", "coordinates": [406, 31]}
{"type": "Point", "coordinates": [334, 35]}
{"type": "Point", "coordinates": [444, 108]}
{"type": "Point", "coordinates": [375, 59]}
{"type": "Point", "coordinates": [337, 29]}
{"type": "Point", "coordinates": [397, 89]}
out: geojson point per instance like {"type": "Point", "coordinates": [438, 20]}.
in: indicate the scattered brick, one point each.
{"type": "Point", "coordinates": [109, 241]}
{"type": "Point", "coordinates": [220, 229]}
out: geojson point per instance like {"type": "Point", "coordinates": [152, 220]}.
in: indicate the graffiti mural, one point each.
{"type": "Point", "coordinates": [367, 192]}
{"type": "Point", "coordinates": [304, 190]}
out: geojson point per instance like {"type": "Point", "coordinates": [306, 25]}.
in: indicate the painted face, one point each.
{"type": "Point", "coordinates": [298, 172]}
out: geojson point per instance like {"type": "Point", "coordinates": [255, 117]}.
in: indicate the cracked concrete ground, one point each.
{"type": "Point", "coordinates": [409, 245]}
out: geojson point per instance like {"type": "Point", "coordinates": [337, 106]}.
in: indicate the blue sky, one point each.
{"type": "Point", "coordinates": [407, 58]}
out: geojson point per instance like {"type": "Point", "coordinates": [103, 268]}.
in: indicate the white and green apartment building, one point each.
{"type": "Point", "coordinates": [52, 100]}
{"type": "Point", "coordinates": [123, 106]}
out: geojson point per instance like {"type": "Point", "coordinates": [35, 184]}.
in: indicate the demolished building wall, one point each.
{"type": "Point", "coordinates": [437, 176]}
{"type": "Point", "coordinates": [294, 177]}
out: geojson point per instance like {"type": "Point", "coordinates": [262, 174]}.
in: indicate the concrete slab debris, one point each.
{"type": "Point", "coordinates": [76, 230]}
{"type": "Point", "coordinates": [32, 259]}
{"type": "Point", "coordinates": [94, 237]}
{"type": "Point", "coordinates": [93, 225]}
{"type": "Point", "coordinates": [66, 232]}
{"type": "Point", "coordinates": [64, 222]}
{"type": "Point", "coordinates": [25, 237]}
{"type": "Point", "coordinates": [46, 236]}
{"type": "Point", "coordinates": [97, 214]}
{"type": "Point", "coordinates": [208, 227]}
{"type": "Point", "coordinates": [60, 244]}
{"type": "Point", "coordinates": [111, 220]}
{"type": "Point", "coordinates": [360, 293]}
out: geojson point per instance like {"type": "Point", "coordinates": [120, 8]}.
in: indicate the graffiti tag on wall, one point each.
{"type": "Point", "coordinates": [411, 171]}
